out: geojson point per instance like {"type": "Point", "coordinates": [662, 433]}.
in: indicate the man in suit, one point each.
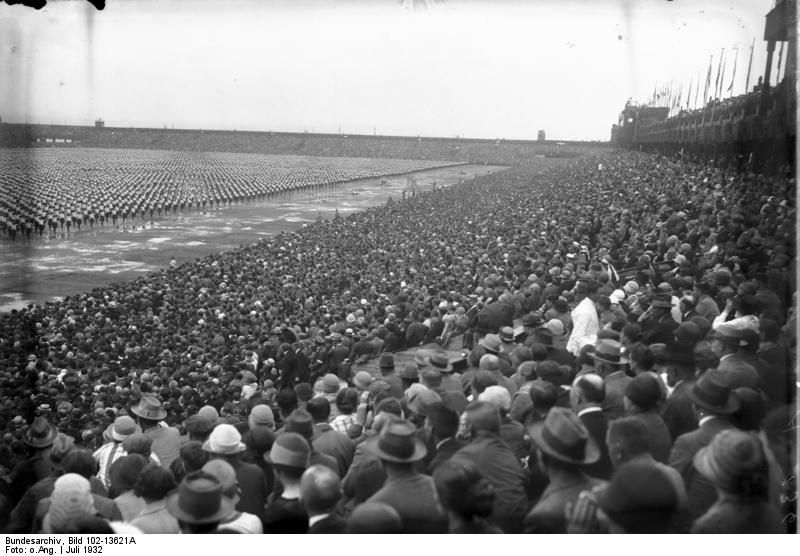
{"type": "Point", "coordinates": [409, 492]}
{"type": "Point", "coordinates": [714, 403]}
{"type": "Point", "coordinates": [735, 371]}
{"type": "Point", "coordinates": [586, 397]}
{"type": "Point", "coordinates": [441, 426]}
{"type": "Point", "coordinates": [326, 440]}
{"type": "Point", "coordinates": [641, 401]}
{"type": "Point", "coordinates": [658, 325]}
{"type": "Point", "coordinates": [609, 364]}
{"type": "Point", "coordinates": [497, 463]}
{"type": "Point", "coordinates": [565, 448]}
{"type": "Point", "coordinates": [678, 410]}
{"type": "Point", "coordinates": [319, 494]}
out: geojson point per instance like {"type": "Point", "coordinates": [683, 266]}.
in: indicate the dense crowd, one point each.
{"type": "Point", "coordinates": [628, 366]}
{"type": "Point", "coordinates": [55, 190]}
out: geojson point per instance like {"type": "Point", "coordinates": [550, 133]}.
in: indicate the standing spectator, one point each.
{"type": "Point", "coordinates": [406, 490]}
{"type": "Point", "coordinates": [166, 439]}
{"type": "Point", "coordinates": [199, 505]}
{"type": "Point", "coordinates": [153, 486]}
{"type": "Point", "coordinates": [497, 463]}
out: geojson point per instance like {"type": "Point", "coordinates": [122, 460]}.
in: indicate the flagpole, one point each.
{"type": "Point", "coordinates": [778, 71]}
{"type": "Point", "coordinates": [749, 65]}
{"type": "Point", "coordinates": [733, 76]}
{"type": "Point", "coordinates": [719, 68]}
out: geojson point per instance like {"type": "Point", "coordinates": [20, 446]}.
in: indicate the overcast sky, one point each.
{"type": "Point", "coordinates": [471, 68]}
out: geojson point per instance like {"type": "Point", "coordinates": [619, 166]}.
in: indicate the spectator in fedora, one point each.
{"type": "Point", "coordinates": [199, 505]}
{"type": "Point", "coordinates": [642, 397]}
{"type": "Point", "coordinates": [658, 324]}
{"type": "Point", "coordinates": [319, 493]}
{"type": "Point", "coordinates": [406, 490]}
{"type": "Point", "coordinates": [199, 426]}
{"type": "Point", "coordinates": [22, 515]}
{"type": "Point", "coordinates": [39, 437]}
{"type": "Point", "coordinates": [714, 403]}
{"type": "Point", "coordinates": [587, 396]}
{"type": "Point", "coordinates": [735, 371]}
{"type": "Point", "coordinates": [466, 496]}
{"type": "Point", "coordinates": [565, 448]}
{"type": "Point", "coordinates": [610, 365]}
{"type": "Point", "coordinates": [153, 486]}
{"type": "Point", "coordinates": [497, 463]}
{"type": "Point", "coordinates": [166, 440]}
{"type": "Point", "coordinates": [290, 456]}
{"type": "Point", "coordinates": [326, 440]}
{"type": "Point", "coordinates": [736, 465]}
{"type": "Point", "coordinates": [225, 443]}
{"type": "Point", "coordinates": [237, 521]}
{"type": "Point", "coordinates": [389, 375]}
{"type": "Point", "coordinates": [300, 421]}
{"type": "Point", "coordinates": [678, 409]}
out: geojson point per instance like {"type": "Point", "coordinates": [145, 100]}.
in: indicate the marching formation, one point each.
{"type": "Point", "coordinates": [628, 366]}
{"type": "Point", "coordinates": [53, 191]}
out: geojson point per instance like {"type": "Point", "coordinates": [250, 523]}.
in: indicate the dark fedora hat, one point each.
{"type": "Point", "coordinates": [199, 499]}
{"type": "Point", "coordinates": [711, 393]}
{"type": "Point", "coordinates": [397, 442]}
{"type": "Point", "coordinates": [458, 365]}
{"type": "Point", "coordinates": [300, 421]}
{"type": "Point", "coordinates": [386, 361]}
{"type": "Point", "coordinates": [662, 300]}
{"type": "Point", "coordinates": [41, 434]}
{"type": "Point", "coordinates": [149, 407]}
{"type": "Point", "coordinates": [608, 351]}
{"type": "Point", "coordinates": [439, 360]}
{"type": "Point", "coordinates": [678, 352]}
{"type": "Point", "coordinates": [562, 436]}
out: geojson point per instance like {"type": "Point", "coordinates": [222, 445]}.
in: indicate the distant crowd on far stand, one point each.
{"type": "Point", "coordinates": [56, 191]}
{"type": "Point", "coordinates": [629, 363]}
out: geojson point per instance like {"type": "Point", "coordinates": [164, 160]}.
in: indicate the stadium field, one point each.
{"type": "Point", "coordinates": [41, 269]}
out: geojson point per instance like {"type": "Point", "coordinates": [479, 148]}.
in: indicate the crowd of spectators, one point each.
{"type": "Point", "coordinates": [55, 190]}
{"type": "Point", "coordinates": [648, 385]}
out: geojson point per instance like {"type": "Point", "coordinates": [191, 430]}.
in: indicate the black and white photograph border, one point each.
{"type": "Point", "coordinates": [301, 267]}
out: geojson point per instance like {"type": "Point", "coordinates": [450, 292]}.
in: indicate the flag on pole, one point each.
{"type": "Point", "coordinates": [780, 58]}
{"type": "Point", "coordinates": [719, 70]}
{"type": "Point", "coordinates": [749, 65]}
{"type": "Point", "coordinates": [689, 94]}
{"type": "Point", "coordinates": [708, 79]}
{"type": "Point", "coordinates": [696, 91]}
{"type": "Point", "coordinates": [722, 77]}
{"type": "Point", "coordinates": [733, 75]}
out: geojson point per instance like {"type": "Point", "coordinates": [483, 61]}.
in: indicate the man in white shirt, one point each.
{"type": "Point", "coordinates": [585, 324]}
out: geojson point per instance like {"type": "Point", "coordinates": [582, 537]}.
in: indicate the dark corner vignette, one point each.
{"type": "Point", "coordinates": [39, 4]}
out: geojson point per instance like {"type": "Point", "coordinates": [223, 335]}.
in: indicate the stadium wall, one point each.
{"type": "Point", "coordinates": [489, 151]}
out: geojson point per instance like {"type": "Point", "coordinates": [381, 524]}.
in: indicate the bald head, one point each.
{"type": "Point", "coordinates": [489, 362]}
{"type": "Point", "coordinates": [319, 489]}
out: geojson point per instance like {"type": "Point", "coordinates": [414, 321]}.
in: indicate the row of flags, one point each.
{"type": "Point", "coordinates": [672, 95]}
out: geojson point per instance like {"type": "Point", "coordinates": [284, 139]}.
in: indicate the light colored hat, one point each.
{"type": "Point", "coordinates": [71, 499]}
{"type": "Point", "coordinates": [363, 379]}
{"type": "Point", "coordinates": [224, 439]}
{"type": "Point", "coordinates": [209, 412]}
{"type": "Point", "coordinates": [498, 396]}
{"type": "Point", "coordinates": [262, 415]}
{"type": "Point", "coordinates": [124, 426]}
